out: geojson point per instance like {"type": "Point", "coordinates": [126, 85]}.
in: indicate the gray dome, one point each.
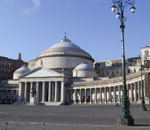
{"type": "Point", "coordinates": [65, 47]}
{"type": "Point", "coordinates": [84, 70]}
{"type": "Point", "coordinates": [19, 72]}
{"type": "Point", "coordinates": [65, 43]}
{"type": "Point", "coordinates": [63, 55]}
{"type": "Point", "coordinates": [23, 69]}
{"type": "Point", "coordinates": [84, 66]}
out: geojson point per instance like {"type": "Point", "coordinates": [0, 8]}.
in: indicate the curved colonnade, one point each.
{"type": "Point", "coordinates": [109, 91]}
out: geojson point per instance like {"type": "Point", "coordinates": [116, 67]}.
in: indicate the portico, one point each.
{"type": "Point", "coordinates": [47, 89]}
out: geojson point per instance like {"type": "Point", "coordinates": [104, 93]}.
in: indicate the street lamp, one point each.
{"type": "Point", "coordinates": [143, 100]}
{"type": "Point", "coordinates": [119, 6]}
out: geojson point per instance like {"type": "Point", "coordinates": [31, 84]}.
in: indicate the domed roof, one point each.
{"type": "Point", "coordinates": [65, 47]}
{"type": "Point", "coordinates": [23, 69]}
{"type": "Point", "coordinates": [65, 43]}
{"type": "Point", "coordinates": [84, 66]}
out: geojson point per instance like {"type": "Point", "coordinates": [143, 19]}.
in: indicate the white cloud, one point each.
{"type": "Point", "coordinates": [36, 5]}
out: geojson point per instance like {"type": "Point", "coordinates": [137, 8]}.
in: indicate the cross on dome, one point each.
{"type": "Point", "coordinates": [65, 37]}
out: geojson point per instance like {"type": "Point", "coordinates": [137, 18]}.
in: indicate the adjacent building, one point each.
{"type": "Point", "coordinates": [8, 66]}
{"type": "Point", "coordinates": [112, 68]}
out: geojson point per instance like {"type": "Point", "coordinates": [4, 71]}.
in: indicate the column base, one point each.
{"type": "Point", "coordinates": [125, 122]}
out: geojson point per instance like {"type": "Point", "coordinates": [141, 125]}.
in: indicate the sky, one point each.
{"type": "Point", "coordinates": [32, 26]}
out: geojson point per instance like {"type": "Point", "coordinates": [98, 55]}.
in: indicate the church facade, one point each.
{"type": "Point", "coordinates": [65, 74]}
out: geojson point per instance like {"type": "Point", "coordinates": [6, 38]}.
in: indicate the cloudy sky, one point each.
{"type": "Point", "coordinates": [31, 26]}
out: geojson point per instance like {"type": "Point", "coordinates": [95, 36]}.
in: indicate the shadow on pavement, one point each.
{"type": "Point", "coordinates": [145, 125]}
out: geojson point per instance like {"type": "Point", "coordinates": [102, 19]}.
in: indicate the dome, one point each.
{"type": "Point", "coordinates": [65, 43]}
{"type": "Point", "coordinates": [22, 70]}
{"type": "Point", "coordinates": [84, 66]}
{"type": "Point", "coordinates": [84, 70]}
{"type": "Point", "coordinates": [65, 47]}
{"type": "Point", "coordinates": [63, 55]}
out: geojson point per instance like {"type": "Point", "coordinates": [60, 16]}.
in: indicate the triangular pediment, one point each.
{"type": "Point", "coordinates": [41, 73]}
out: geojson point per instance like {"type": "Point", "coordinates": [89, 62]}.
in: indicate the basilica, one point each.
{"type": "Point", "coordinates": [66, 74]}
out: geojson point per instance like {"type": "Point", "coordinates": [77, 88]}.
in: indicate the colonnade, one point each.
{"type": "Point", "coordinates": [8, 95]}
{"type": "Point", "coordinates": [108, 94]}
{"type": "Point", "coordinates": [41, 92]}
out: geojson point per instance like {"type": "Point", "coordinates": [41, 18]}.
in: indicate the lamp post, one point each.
{"type": "Point", "coordinates": [120, 5]}
{"type": "Point", "coordinates": [143, 108]}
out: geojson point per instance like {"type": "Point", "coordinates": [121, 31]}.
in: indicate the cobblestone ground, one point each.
{"type": "Point", "coordinates": [94, 117]}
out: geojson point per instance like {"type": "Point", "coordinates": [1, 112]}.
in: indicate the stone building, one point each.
{"type": "Point", "coordinates": [8, 66]}
{"type": "Point", "coordinates": [64, 74]}
{"type": "Point", "coordinates": [112, 68]}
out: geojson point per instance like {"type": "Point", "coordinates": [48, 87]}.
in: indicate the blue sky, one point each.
{"type": "Point", "coordinates": [31, 26]}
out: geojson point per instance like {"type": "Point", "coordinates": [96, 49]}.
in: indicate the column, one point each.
{"type": "Point", "coordinates": [80, 95]}
{"type": "Point", "coordinates": [90, 95]}
{"type": "Point", "coordinates": [62, 92]}
{"type": "Point", "coordinates": [105, 94]}
{"type": "Point", "coordinates": [139, 91]}
{"type": "Point", "coordinates": [37, 92]}
{"type": "Point", "coordinates": [85, 96]}
{"type": "Point", "coordinates": [131, 92]}
{"type": "Point", "coordinates": [56, 91]}
{"type": "Point", "coordinates": [110, 100]}
{"type": "Point", "coordinates": [114, 94]}
{"type": "Point", "coordinates": [75, 96]}
{"type": "Point", "coordinates": [31, 85]}
{"type": "Point", "coordinates": [119, 94]}
{"type": "Point", "coordinates": [100, 91]}
{"type": "Point", "coordinates": [135, 87]}
{"type": "Point", "coordinates": [20, 92]}
{"type": "Point", "coordinates": [144, 87]}
{"type": "Point", "coordinates": [25, 92]}
{"type": "Point", "coordinates": [128, 91]}
{"type": "Point", "coordinates": [95, 95]}
{"type": "Point", "coordinates": [49, 92]}
{"type": "Point", "coordinates": [43, 92]}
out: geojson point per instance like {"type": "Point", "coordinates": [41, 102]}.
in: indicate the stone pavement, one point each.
{"type": "Point", "coordinates": [89, 117]}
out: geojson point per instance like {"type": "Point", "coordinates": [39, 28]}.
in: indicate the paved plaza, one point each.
{"type": "Point", "coordinates": [94, 117]}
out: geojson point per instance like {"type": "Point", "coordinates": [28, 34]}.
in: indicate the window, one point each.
{"type": "Point", "coordinates": [14, 65]}
{"type": "Point", "coordinates": [116, 71]}
{"type": "Point", "coordinates": [112, 73]}
{"type": "Point", "coordinates": [9, 64]}
{"type": "Point", "coordinates": [128, 71]}
{"type": "Point", "coordinates": [2, 62]}
{"type": "Point", "coordinates": [134, 70]}
{"type": "Point", "coordinates": [107, 73]}
{"type": "Point", "coordinates": [146, 53]}
{"type": "Point", "coordinates": [5, 63]}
